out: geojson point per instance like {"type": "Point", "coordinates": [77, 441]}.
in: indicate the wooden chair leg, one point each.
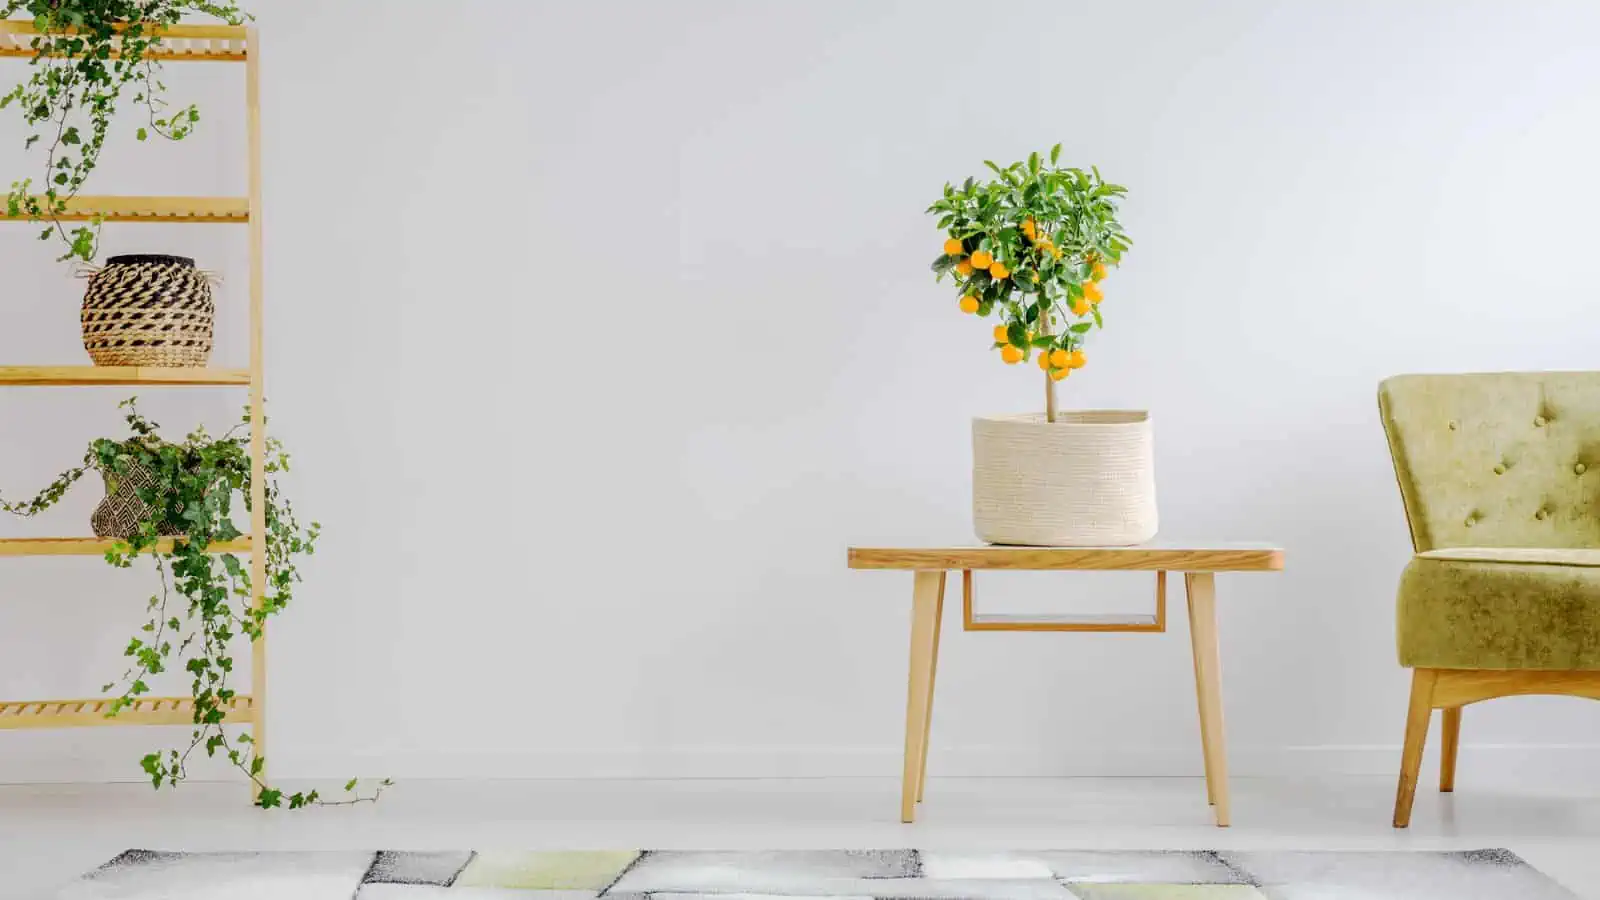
{"type": "Point", "coordinates": [1418, 714]}
{"type": "Point", "coordinates": [933, 677]}
{"type": "Point", "coordinates": [1201, 587]}
{"type": "Point", "coordinates": [919, 691]}
{"type": "Point", "coordinates": [1448, 746]}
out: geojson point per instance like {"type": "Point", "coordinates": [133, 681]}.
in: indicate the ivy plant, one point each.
{"type": "Point", "coordinates": [87, 56]}
{"type": "Point", "coordinates": [1031, 246]}
{"type": "Point", "coordinates": [205, 598]}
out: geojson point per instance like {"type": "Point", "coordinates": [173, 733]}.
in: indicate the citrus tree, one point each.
{"type": "Point", "coordinates": [1030, 247]}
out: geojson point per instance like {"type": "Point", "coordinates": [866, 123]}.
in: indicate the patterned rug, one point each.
{"type": "Point", "coordinates": [855, 874]}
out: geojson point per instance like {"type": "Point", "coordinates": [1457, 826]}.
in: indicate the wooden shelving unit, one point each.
{"type": "Point", "coordinates": [183, 43]}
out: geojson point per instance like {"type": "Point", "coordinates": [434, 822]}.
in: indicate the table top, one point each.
{"type": "Point", "coordinates": [1163, 556]}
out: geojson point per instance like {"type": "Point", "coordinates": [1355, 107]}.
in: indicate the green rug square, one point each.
{"type": "Point", "coordinates": [566, 870]}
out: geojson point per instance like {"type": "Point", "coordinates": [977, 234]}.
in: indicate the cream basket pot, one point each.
{"type": "Point", "coordinates": [1086, 480]}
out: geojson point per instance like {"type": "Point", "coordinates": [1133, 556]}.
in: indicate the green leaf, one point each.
{"type": "Point", "coordinates": [1081, 327]}
{"type": "Point", "coordinates": [1055, 154]}
{"type": "Point", "coordinates": [1033, 162]}
{"type": "Point", "coordinates": [1017, 334]}
{"type": "Point", "coordinates": [143, 134]}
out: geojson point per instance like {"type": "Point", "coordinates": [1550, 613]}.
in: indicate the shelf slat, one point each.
{"type": "Point", "coordinates": [18, 714]}
{"type": "Point", "coordinates": [96, 546]}
{"type": "Point", "coordinates": [179, 43]}
{"type": "Point", "coordinates": [65, 376]}
{"type": "Point", "coordinates": [226, 210]}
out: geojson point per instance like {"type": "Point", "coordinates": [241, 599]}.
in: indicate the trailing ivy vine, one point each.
{"type": "Point", "coordinates": [87, 54]}
{"type": "Point", "coordinates": [205, 599]}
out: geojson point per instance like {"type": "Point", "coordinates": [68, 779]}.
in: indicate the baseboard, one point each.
{"type": "Point", "coordinates": [1479, 763]}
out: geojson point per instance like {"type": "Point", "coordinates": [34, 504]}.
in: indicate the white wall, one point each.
{"type": "Point", "coordinates": [600, 330]}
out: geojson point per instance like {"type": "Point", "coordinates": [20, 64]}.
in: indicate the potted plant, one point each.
{"type": "Point", "coordinates": [1029, 250]}
{"type": "Point", "coordinates": [155, 489]}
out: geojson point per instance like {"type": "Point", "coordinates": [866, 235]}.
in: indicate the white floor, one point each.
{"type": "Point", "coordinates": [50, 833]}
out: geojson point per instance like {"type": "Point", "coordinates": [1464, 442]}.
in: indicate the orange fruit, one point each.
{"type": "Point", "coordinates": [952, 247]}
{"type": "Point", "coordinates": [1099, 271]}
{"type": "Point", "coordinates": [1092, 293]}
{"type": "Point", "coordinates": [1059, 358]}
{"type": "Point", "coordinates": [1000, 334]}
{"type": "Point", "coordinates": [982, 259]}
{"type": "Point", "coordinates": [1044, 361]}
{"type": "Point", "coordinates": [1080, 307]}
{"type": "Point", "coordinates": [1012, 355]}
{"type": "Point", "coordinates": [1059, 374]}
{"type": "Point", "coordinates": [1029, 229]}
{"type": "Point", "coordinates": [1076, 360]}
{"type": "Point", "coordinates": [963, 268]}
{"type": "Point", "coordinates": [999, 270]}
{"type": "Point", "coordinates": [969, 304]}
{"type": "Point", "coordinates": [1056, 252]}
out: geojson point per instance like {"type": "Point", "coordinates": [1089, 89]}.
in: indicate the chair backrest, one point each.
{"type": "Point", "coordinates": [1497, 459]}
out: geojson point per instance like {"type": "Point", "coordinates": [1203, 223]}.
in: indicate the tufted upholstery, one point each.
{"type": "Point", "coordinates": [1504, 510]}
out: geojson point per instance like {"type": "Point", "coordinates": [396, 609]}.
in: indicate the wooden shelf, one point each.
{"type": "Point", "coordinates": [1161, 557]}
{"type": "Point", "coordinates": [17, 714]}
{"type": "Point", "coordinates": [90, 546]}
{"type": "Point", "coordinates": [179, 43]}
{"type": "Point", "coordinates": [65, 376]}
{"type": "Point", "coordinates": [180, 210]}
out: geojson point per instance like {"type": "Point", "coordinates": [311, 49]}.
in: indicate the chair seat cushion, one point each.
{"type": "Point", "coordinates": [1494, 608]}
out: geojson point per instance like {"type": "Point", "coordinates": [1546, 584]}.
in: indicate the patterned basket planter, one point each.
{"type": "Point", "coordinates": [119, 514]}
{"type": "Point", "coordinates": [1086, 480]}
{"type": "Point", "coordinates": [148, 311]}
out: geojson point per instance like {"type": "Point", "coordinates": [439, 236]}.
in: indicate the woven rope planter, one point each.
{"type": "Point", "coordinates": [1088, 480]}
{"type": "Point", "coordinates": [119, 514]}
{"type": "Point", "coordinates": [148, 311]}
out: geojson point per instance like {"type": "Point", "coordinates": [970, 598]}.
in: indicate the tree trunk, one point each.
{"type": "Point", "coordinates": [1049, 383]}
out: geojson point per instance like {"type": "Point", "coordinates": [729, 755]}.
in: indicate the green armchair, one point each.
{"type": "Point", "coordinates": [1500, 476]}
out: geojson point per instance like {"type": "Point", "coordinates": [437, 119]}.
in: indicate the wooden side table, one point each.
{"type": "Point", "coordinates": [1197, 562]}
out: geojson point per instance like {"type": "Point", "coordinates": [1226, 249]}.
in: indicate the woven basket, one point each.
{"type": "Point", "coordinates": [1088, 480]}
{"type": "Point", "coordinates": [148, 311]}
{"type": "Point", "coordinates": [119, 514]}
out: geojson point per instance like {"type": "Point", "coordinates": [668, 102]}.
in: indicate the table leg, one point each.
{"type": "Point", "coordinates": [919, 691]}
{"type": "Point", "coordinates": [933, 678]}
{"type": "Point", "coordinates": [1201, 588]}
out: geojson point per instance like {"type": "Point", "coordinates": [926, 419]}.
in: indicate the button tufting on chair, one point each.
{"type": "Point", "coordinates": [1500, 469]}
{"type": "Point", "coordinates": [1580, 468]}
{"type": "Point", "coordinates": [1538, 421]}
{"type": "Point", "coordinates": [1540, 515]}
{"type": "Point", "coordinates": [1452, 425]}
